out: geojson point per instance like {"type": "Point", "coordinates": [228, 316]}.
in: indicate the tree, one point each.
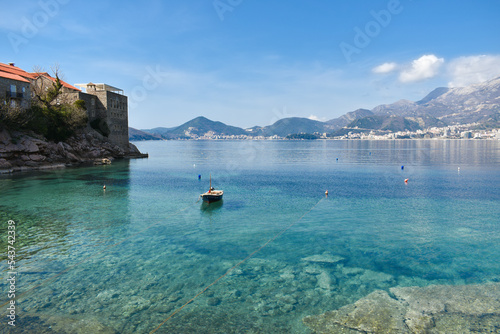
{"type": "Point", "coordinates": [47, 89]}
{"type": "Point", "coordinates": [49, 114]}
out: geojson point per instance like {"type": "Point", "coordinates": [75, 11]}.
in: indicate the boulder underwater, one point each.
{"type": "Point", "coordinates": [431, 309]}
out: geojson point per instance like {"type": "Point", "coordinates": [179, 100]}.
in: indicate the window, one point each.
{"type": "Point", "coordinates": [13, 88]}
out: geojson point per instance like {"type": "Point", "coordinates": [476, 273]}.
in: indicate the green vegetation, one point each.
{"type": "Point", "coordinates": [47, 116]}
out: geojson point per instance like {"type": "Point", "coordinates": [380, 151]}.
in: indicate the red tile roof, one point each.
{"type": "Point", "coordinates": [15, 70]}
{"type": "Point", "coordinates": [64, 83]}
{"type": "Point", "coordinates": [6, 69]}
{"type": "Point", "coordinates": [12, 76]}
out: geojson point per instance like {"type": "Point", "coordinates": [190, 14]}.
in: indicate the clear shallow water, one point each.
{"type": "Point", "coordinates": [132, 255]}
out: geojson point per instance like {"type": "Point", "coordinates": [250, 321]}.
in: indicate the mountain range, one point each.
{"type": "Point", "coordinates": [479, 103]}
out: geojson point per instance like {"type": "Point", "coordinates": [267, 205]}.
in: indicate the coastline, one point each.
{"type": "Point", "coordinates": [26, 151]}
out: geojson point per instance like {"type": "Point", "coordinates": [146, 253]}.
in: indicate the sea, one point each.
{"type": "Point", "coordinates": [145, 255]}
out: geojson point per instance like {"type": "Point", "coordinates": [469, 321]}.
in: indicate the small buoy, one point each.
{"type": "Point", "coordinates": [199, 177]}
{"type": "Point", "coordinates": [402, 167]}
{"type": "Point", "coordinates": [194, 165]}
{"type": "Point", "coordinates": [406, 180]}
{"type": "Point", "coordinates": [337, 159]}
{"type": "Point", "coordinates": [104, 187]}
{"type": "Point", "coordinates": [326, 193]}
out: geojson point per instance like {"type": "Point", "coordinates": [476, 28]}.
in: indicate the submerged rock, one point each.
{"type": "Point", "coordinates": [432, 309]}
{"type": "Point", "coordinates": [324, 258]}
{"type": "Point", "coordinates": [42, 324]}
{"type": "Point", "coordinates": [376, 313]}
{"type": "Point", "coordinates": [440, 306]}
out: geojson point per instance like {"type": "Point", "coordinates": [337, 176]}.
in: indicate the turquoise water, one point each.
{"type": "Point", "coordinates": [129, 257]}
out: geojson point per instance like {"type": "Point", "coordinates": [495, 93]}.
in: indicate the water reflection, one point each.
{"type": "Point", "coordinates": [209, 208]}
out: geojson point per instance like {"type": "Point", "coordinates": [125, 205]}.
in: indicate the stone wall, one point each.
{"type": "Point", "coordinates": [115, 107]}
{"type": "Point", "coordinates": [109, 107]}
{"type": "Point", "coordinates": [92, 104]}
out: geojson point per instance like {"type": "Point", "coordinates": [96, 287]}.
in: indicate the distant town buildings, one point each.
{"type": "Point", "coordinates": [463, 131]}
{"type": "Point", "coordinates": [453, 132]}
{"type": "Point", "coordinates": [107, 107]}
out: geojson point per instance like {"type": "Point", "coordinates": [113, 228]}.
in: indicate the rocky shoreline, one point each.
{"type": "Point", "coordinates": [25, 151]}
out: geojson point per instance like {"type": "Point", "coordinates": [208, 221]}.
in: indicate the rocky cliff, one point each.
{"type": "Point", "coordinates": [21, 151]}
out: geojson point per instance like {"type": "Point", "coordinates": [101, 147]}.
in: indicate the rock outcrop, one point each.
{"type": "Point", "coordinates": [21, 151]}
{"type": "Point", "coordinates": [431, 309]}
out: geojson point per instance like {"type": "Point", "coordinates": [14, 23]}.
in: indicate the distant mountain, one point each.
{"type": "Point", "coordinates": [443, 106]}
{"type": "Point", "coordinates": [461, 105]}
{"type": "Point", "coordinates": [199, 127]}
{"type": "Point", "coordinates": [476, 103]}
{"type": "Point", "coordinates": [289, 126]}
{"type": "Point", "coordinates": [433, 95]}
{"type": "Point", "coordinates": [390, 123]}
{"type": "Point", "coordinates": [137, 135]}
{"type": "Point", "coordinates": [158, 131]}
{"type": "Point", "coordinates": [344, 120]}
{"type": "Point", "coordinates": [399, 108]}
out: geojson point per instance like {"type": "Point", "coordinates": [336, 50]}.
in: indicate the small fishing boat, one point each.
{"type": "Point", "coordinates": [212, 195]}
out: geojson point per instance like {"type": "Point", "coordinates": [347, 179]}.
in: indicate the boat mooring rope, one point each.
{"type": "Point", "coordinates": [100, 252]}
{"type": "Point", "coordinates": [236, 266]}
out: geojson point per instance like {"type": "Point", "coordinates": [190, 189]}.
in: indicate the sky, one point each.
{"type": "Point", "coordinates": [252, 62]}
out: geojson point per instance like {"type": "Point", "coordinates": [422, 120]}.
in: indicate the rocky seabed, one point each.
{"type": "Point", "coordinates": [260, 296]}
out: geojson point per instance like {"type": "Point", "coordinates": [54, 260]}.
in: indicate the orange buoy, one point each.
{"type": "Point", "coordinates": [104, 187]}
{"type": "Point", "coordinates": [326, 193]}
{"type": "Point", "coordinates": [406, 180]}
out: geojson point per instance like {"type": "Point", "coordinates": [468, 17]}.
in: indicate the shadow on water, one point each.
{"type": "Point", "coordinates": [234, 205]}
{"type": "Point", "coordinates": [211, 207]}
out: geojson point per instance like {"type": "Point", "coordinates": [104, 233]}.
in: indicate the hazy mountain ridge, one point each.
{"type": "Point", "coordinates": [291, 125]}
{"type": "Point", "coordinates": [441, 107]}
{"type": "Point", "coordinates": [137, 135]}
{"type": "Point", "coordinates": [433, 95]}
{"type": "Point", "coordinates": [460, 105]}
{"type": "Point", "coordinates": [346, 119]}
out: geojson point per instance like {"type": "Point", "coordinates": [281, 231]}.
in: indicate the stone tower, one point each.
{"type": "Point", "coordinates": [107, 104]}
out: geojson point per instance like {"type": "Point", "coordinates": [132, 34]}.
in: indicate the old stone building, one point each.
{"type": "Point", "coordinates": [107, 106]}
{"type": "Point", "coordinates": [14, 88]}
{"type": "Point", "coordinates": [107, 103]}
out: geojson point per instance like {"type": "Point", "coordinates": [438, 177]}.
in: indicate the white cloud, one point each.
{"type": "Point", "coordinates": [473, 69]}
{"type": "Point", "coordinates": [422, 68]}
{"type": "Point", "coordinates": [314, 118]}
{"type": "Point", "coordinates": [385, 68]}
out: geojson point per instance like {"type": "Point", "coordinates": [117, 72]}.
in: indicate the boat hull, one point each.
{"type": "Point", "coordinates": [212, 197]}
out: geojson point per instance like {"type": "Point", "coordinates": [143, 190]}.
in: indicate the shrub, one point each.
{"type": "Point", "coordinates": [80, 104]}
{"type": "Point", "coordinates": [55, 123]}
{"type": "Point", "coordinates": [13, 116]}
